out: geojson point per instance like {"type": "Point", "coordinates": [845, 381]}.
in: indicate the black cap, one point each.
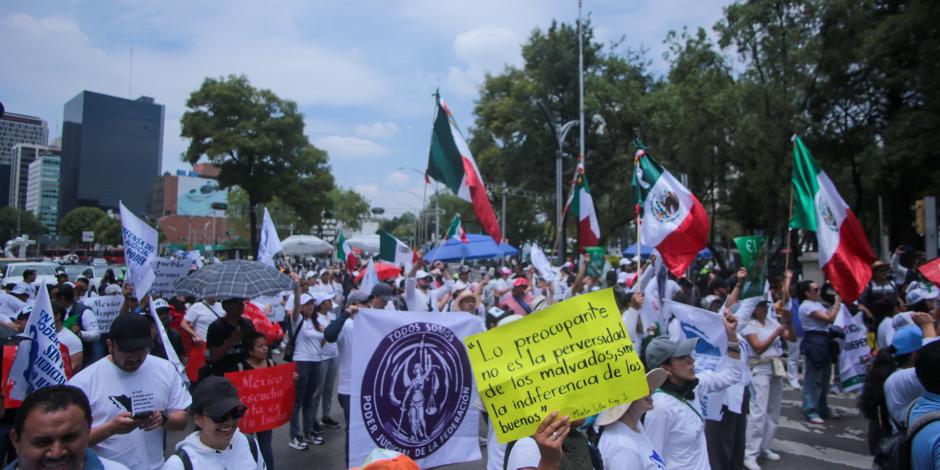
{"type": "Point", "coordinates": [131, 332]}
{"type": "Point", "coordinates": [382, 290]}
{"type": "Point", "coordinates": [215, 396]}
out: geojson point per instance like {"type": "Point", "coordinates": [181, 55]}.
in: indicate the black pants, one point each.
{"type": "Point", "coordinates": [726, 438]}
{"type": "Point", "coordinates": [344, 404]}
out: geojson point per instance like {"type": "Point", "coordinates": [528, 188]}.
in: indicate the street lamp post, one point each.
{"type": "Point", "coordinates": [560, 131]}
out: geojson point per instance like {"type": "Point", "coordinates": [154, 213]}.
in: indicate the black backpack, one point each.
{"type": "Point", "coordinates": [188, 463]}
{"type": "Point", "coordinates": [894, 452]}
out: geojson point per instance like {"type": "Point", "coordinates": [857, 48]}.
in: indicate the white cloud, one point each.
{"type": "Point", "coordinates": [398, 178]}
{"type": "Point", "coordinates": [340, 146]}
{"type": "Point", "coordinates": [482, 50]}
{"type": "Point", "coordinates": [377, 130]}
{"type": "Point", "coordinates": [367, 190]}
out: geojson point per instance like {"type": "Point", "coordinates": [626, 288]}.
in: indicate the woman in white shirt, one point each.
{"type": "Point", "coordinates": [763, 334]}
{"type": "Point", "coordinates": [307, 335]}
{"type": "Point", "coordinates": [623, 444]}
{"type": "Point", "coordinates": [816, 320]}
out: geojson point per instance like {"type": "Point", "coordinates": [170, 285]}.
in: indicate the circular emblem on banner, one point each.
{"type": "Point", "coordinates": [826, 213]}
{"type": "Point", "coordinates": [416, 389]}
{"type": "Point", "coordinates": [665, 206]}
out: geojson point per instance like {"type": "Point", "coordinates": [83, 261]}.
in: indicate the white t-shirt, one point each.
{"type": "Point", "coordinates": [71, 342]}
{"type": "Point", "coordinates": [344, 349]}
{"type": "Point", "coordinates": [809, 323]}
{"type": "Point", "coordinates": [901, 388]}
{"type": "Point", "coordinates": [309, 341]}
{"type": "Point", "coordinates": [631, 319]}
{"type": "Point", "coordinates": [200, 315]}
{"type": "Point", "coordinates": [9, 307]}
{"type": "Point", "coordinates": [524, 454]}
{"type": "Point", "coordinates": [885, 332]}
{"type": "Point", "coordinates": [763, 332]}
{"type": "Point", "coordinates": [327, 350]}
{"type": "Point", "coordinates": [155, 386]}
{"type": "Point", "coordinates": [625, 449]}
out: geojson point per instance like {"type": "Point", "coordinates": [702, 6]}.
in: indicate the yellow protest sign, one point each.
{"type": "Point", "coordinates": [574, 357]}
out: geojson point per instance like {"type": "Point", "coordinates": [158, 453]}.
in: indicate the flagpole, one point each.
{"type": "Point", "coordinates": [639, 264]}
{"type": "Point", "coordinates": [422, 222]}
{"type": "Point", "coordinates": [580, 84]}
{"type": "Point", "coordinates": [786, 264]}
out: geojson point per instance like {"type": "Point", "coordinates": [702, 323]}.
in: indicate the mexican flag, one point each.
{"type": "Point", "coordinates": [451, 163]}
{"type": "Point", "coordinates": [456, 230]}
{"type": "Point", "coordinates": [844, 253]}
{"type": "Point", "coordinates": [582, 205]}
{"type": "Point", "coordinates": [395, 251]}
{"type": "Point", "coordinates": [672, 218]}
{"type": "Point", "coordinates": [346, 252]}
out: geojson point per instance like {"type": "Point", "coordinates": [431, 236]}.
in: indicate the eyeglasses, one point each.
{"type": "Point", "coordinates": [235, 413]}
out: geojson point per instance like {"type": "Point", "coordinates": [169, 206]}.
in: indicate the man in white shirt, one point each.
{"type": "Point", "coordinates": [133, 397]}
{"type": "Point", "coordinates": [11, 303]}
{"type": "Point", "coordinates": [199, 316]}
{"type": "Point", "coordinates": [676, 423]}
{"type": "Point", "coordinates": [72, 343]}
{"type": "Point", "coordinates": [418, 293]}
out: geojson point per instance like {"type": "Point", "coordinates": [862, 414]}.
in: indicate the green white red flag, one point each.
{"type": "Point", "coordinates": [844, 253]}
{"type": "Point", "coordinates": [456, 230]}
{"type": "Point", "coordinates": [395, 251]}
{"type": "Point", "coordinates": [673, 219]}
{"type": "Point", "coordinates": [346, 252]}
{"type": "Point", "coordinates": [451, 163]}
{"type": "Point", "coordinates": [581, 204]}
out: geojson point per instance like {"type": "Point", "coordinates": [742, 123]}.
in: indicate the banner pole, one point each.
{"type": "Point", "coordinates": [786, 264]}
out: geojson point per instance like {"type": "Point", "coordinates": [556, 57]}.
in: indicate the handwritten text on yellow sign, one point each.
{"type": "Point", "coordinates": [574, 357]}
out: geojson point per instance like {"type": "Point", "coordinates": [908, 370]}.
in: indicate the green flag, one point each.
{"type": "Point", "coordinates": [753, 250]}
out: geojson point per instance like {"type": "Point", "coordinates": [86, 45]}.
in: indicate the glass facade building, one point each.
{"type": "Point", "coordinates": [17, 129]}
{"type": "Point", "coordinates": [42, 194]}
{"type": "Point", "coordinates": [111, 151]}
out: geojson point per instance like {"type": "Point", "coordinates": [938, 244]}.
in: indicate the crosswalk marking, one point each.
{"type": "Point", "coordinates": [834, 456]}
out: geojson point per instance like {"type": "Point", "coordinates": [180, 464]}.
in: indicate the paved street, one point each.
{"type": "Point", "coordinates": [838, 444]}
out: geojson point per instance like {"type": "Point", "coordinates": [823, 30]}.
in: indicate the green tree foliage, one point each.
{"type": "Point", "coordinates": [858, 79]}
{"type": "Point", "coordinates": [282, 214]}
{"type": "Point", "coordinates": [348, 207]}
{"type": "Point", "coordinates": [402, 227]}
{"type": "Point", "coordinates": [29, 224]}
{"type": "Point", "coordinates": [108, 231]}
{"type": "Point", "coordinates": [79, 220]}
{"type": "Point", "coordinates": [257, 141]}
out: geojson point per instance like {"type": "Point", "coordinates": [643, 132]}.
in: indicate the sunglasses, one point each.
{"type": "Point", "coordinates": [235, 413]}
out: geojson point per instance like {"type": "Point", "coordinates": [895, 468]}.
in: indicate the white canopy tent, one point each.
{"type": "Point", "coordinates": [305, 245]}
{"type": "Point", "coordinates": [368, 243]}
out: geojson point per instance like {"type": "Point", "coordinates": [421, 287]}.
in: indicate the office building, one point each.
{"type": "Point", "coordinates": [42, 193]}
{"type": "Point", "coordinates": [23, 156]}
{"type": "Point", "coordinates": [111, 152]}
{"type": "Point", "coordinates": [17, 129]}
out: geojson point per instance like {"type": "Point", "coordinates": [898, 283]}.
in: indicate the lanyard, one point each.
{"type": "Point", "coordinates": [683, 400]}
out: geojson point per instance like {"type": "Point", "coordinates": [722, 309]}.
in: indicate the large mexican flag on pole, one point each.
{"type": "Point", "coordinates": [395, 251]}
{"type": "Point", "coordinates": [673, 221]}
{"type": "Point", "coordinates": [844, 253]}
{"type": "Point", "coordinates": [451, 163]}
{"type": "Point", "coordinates": [582, 204]}
{"type": "Point", "coordinates": [346, 253]}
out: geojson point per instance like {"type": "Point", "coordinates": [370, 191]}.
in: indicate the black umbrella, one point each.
{"type": "Point", "coordinates": [237, 279]}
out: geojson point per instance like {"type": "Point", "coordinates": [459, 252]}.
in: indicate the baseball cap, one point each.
{"type": "Point", "coordinates": [622, 278]}
{"type": "Point", "coordinates": [421, 274]}
{"type": "Point", "coordinates": [654, 380]}
{"type": "Point", "coordinates": [215, 396]}
{"type": "Point", "coordinates": [661, 349]}
{"type": "Point", "coordinates": [382, 290]}
{"type": "Point", "coordinates": [25, 311]}
{"type": "Point", "coordinates": [504, 271]}
{"type": "Point", "coordinates": [520, 282]}
{"type": "Point", "coordinates": [458, 286]}
{"type": "Point", "coordinates": [320, 297]}
{"type": "Point", "coordinates": [306, 298]}
{"type": "Point", "coordinates": [357, 297]}
{"type": "Point", "coordinates": [160, 303]}
{"type": "Point", "coordinates": [113, 289]}
{"type": "Point", "coordinates": [917, 294]}
{"type": "Point", "coordinates": [464, 269]}
{"type": "Point", "coordinates": [907, 340]}
{"type": "Point", "coordinates": [310, 274]}
{"type": "Point", "coordinates": [131, 332]}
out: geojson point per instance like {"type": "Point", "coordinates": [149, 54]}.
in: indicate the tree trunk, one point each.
{"type": "Point", "coordinates": [253, 223]}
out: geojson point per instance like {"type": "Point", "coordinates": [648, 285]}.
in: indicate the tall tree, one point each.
{"type": "Point", "coordinates": [348, 207]}
{"type": "Point", "coordinates": [257, 141]}
{"type": "Point", "coordinates": [28, 223]}
{"type": "Point", "coordinates": [79, 220]}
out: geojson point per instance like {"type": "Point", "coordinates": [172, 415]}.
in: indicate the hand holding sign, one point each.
{"type": "Point", "coordinates": [575, 357]}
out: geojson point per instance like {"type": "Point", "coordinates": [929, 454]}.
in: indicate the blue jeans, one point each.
{"type": "Point", "coordinates": [324, 392]}
{"type": "Point", "coordinates": [816, 389]}
{"type": "Point", "coordinates": [308, 377]}
{"type": "Point", "coordinates": [264, 445]}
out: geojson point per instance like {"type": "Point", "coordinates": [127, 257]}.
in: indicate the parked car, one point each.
{"type": "Point", "coordinates": [44, 272]}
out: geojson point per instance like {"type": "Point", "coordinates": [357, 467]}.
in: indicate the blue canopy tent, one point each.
{"type": "Point", "coordinates": [506, 249]}
{"type": "Point", "coordinates": [479, 247]}
{"type": "Point", "coordinates": [646, 251]}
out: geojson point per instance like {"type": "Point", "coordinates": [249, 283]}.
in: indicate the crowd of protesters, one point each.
{"type": "Point", "coordinates": [783, 340]}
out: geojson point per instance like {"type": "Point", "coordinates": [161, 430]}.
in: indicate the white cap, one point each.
{"type": "Point", "coordinates": [21, 288]}
{"type": "Point", "coordinates": [113, 289]}
{"type": "Point", "coordinates": [160, 303]}
{"type": "Point", "coordinates": [421, 274]}
{"type": "Point", "coordinates": [621, 277]}
{"type": "Point", "coordinates": [310, 274]}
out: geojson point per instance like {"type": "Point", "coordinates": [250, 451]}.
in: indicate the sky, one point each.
{"type": "Point", "coordinates": [361, 72]}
